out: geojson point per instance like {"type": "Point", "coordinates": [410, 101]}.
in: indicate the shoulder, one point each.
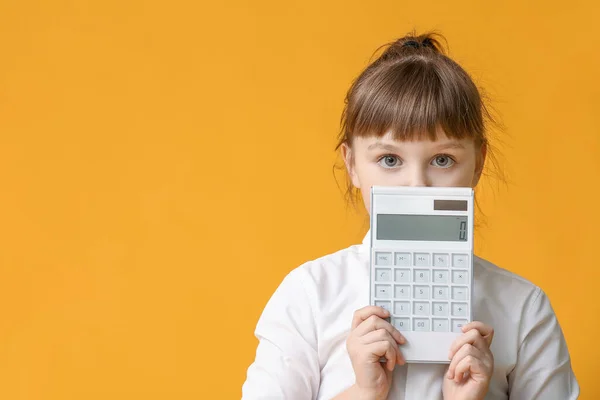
{"type": "Point", "coordinates": [500, 287]}
{"type": "Point", "coordinates": [327, 287]}
{"type": "Point", "coordinates": [332, 272]}
{"type": "Point", "coordinates": [486, 270]}
{"type": "Point", "coordinates": [299, 294]}
{"type": "Point", "coordinates": [354, 256]}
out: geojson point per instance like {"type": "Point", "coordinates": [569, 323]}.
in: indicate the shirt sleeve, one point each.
{"type": "Point", "coordinates": [286, 365]}
{"type": "Point", "coordinates": [543, 369]}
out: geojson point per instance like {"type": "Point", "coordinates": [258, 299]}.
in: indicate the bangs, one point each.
{"type": "Point", "coordinates": [413, 100]}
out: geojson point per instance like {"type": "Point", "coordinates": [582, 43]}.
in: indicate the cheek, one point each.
{"type": "Point", "coordinates": [371, 174]}
{"type": "Point", "coordinates": [464, 175]}
{"type": "Point", "coordinates": [366, 196]}
{"type": "Point", "coordinates": [457, 177]}
{"type": "Point", "coordinates": [366, 179]}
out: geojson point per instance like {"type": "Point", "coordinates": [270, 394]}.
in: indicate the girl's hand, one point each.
{"type": "Point", "coordinates": [472, 364]}
{"type": "Point", "coordinates": [370, 339]}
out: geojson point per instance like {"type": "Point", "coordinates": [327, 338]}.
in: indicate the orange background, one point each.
{"type": "Point", "coordinates": [163, 165]}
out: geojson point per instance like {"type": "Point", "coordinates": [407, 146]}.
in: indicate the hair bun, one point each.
{"type": "Point", "coordinates": [429, 41]}
{"type": "Point", "coordinates": [419, 42]}
{"type": "Point", "coordinates": [426, 44]}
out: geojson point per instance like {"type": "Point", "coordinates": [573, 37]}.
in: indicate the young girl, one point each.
{"type": "Point", "coordinates": [414, 118]}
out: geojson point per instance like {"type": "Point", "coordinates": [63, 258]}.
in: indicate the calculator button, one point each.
{"type": "Point", "coordinates": [421, 308]}
{"type": "Point", "coordinates": [459, 310]}
{"type": "Point", "coordinates": [422, 260]}
{"type": "Point", "coordinates": [402, 323]}
{"type": "Point", "coordinates": [459, 293]}
{"type": "Point", "coordinates": [440, 292]}
{"type": "Point", "coordinates": [383, 291]}
{"type": "Point", "coordinates": [440, 276]}
{"type": "Point", "coordinates": [457, 324]}
{"type": "Point", "coordinates": [440, 309]}
{"type": "Point", "coordinates": [383, 258]}
{"type": "Point", "coordinates": [440, 325]}
{"type": "Point", "coordinates": [402, 308]}
{"type": "Point", "coordinates": [421, 276]}
{"type": "Point", "coordinates": [421, 324]}
{"type": "Point", "coordinates": [402, 259]}
{"type": "Point", "coordinates": [402, 275]}
{"type": "Point", "coordinates": [402, 292]}
{"type": "Point", "coordinates": [460, 260]}
{"type": "Point", "coordinates": [384, 304]}
{"type": "Point", "coordinates": [440, 260]}
{"type": "Point", "coordinates": [421, 292]}
{"type": "Point", "coordinates": [383, 274]}
{"type": "Point", "coordinates": [459, 277]}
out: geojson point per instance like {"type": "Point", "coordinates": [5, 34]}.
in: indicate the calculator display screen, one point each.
{"type": "Point", "coordinates": [443, 228]}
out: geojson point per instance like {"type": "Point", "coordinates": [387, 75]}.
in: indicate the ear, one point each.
{"type": "Point", "coordinates": [479, 164]}
{"type": "Point", "coordinates": [349, 162]}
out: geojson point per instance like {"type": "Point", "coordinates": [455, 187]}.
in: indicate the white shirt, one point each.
{"type": "Point", "coordinates": [303, 329]}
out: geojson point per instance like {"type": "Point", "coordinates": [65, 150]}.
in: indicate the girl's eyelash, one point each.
{"type": "Point", "coordinates": [388, 155]}
{"type": "Point", "coordinates": [444, 155]}
{"type": "Point", "coordinates": [382, 157]}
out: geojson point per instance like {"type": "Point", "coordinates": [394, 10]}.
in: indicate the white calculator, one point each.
{"type": "Point", "coordinates": [421, 265]}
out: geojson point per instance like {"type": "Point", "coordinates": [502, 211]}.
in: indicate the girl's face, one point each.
{"type": "Point", "coordinates": [373, 161]}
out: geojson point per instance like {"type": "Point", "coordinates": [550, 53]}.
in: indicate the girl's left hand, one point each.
{"type": "Point", "coordinates": [472, 364]}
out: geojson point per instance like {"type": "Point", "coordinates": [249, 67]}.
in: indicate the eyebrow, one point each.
{"type": "Point", "coordinates": [391, 147]}
{"type": "Point", "coordinates": [385, 146]}
{"type": "Point", "coordinates": [451, 145]}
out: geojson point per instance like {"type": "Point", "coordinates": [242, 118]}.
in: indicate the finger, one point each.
{"type": "Point", "coordinates": [374, 323]}
{"type": "Point", "coordinates": [376, 336]}
{"type": "Point", "coordinates": [467, 350]}
{"type": "Point", "coordinates": [385, 349]}
{"type": "Point", "coordinates": [486, 331]}
{"type": "Point", "coordinates": [382, 335]}
{"type": "Point", "coordinates": [365, 312]}
{"type": "Point", "coordinates": [472, 337]}
{"type": "Point", "coordinates": [473, 365]}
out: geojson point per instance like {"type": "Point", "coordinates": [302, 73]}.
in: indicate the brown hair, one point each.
{"type": "Point", "coordinates": [412, 89]}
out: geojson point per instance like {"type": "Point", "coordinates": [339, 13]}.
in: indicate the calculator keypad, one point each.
{"type": "Point", "coordinates": [423, 291]}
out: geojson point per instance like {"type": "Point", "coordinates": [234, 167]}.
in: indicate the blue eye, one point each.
{"type": "Point", "coordinates": [389, 161]}
{"type": "Point", "coordinates": [443, 161]}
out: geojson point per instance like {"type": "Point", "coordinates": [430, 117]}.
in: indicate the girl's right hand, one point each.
{"type": "Point", "coordinates": [370, 339]}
